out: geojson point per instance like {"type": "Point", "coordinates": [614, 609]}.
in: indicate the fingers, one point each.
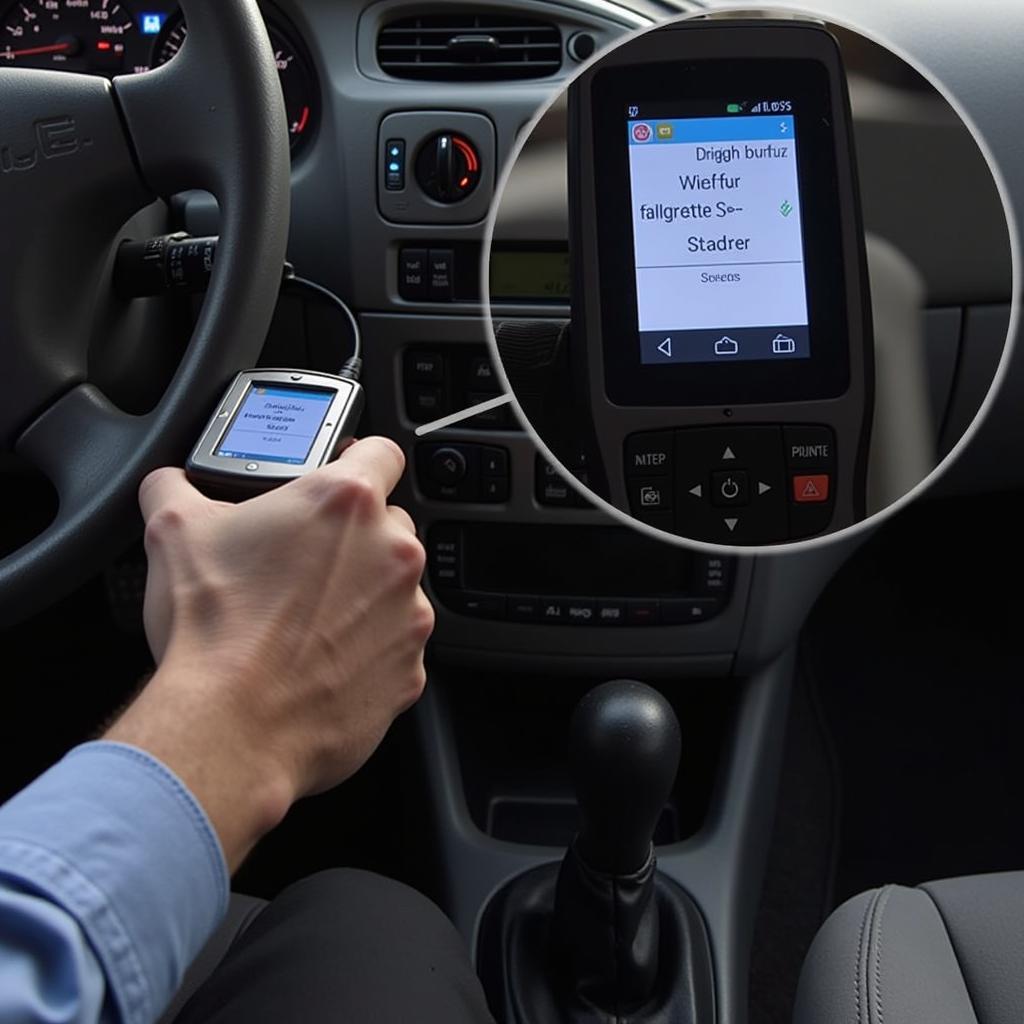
{"type": "Point", "coordinates": [402, 518]}
{"type": "Point", "coordinates": [165, 487]}
{"type": "Point", "coordinates": [377, 460]}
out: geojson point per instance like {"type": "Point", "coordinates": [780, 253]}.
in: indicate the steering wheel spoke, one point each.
{"type": "Point", "coordinates": [189, 118]}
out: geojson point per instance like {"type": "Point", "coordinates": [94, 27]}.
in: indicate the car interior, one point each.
{"type": "Point", "coordinates": [792, 728]}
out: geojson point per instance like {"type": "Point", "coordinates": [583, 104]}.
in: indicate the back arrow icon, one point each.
{"type": "Point", "coordinates": [665, 348]}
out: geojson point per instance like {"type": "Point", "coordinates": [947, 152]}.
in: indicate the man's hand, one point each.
{"type": "Point", "coordinates": [289, 632]}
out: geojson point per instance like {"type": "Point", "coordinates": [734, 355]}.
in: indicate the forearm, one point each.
{"type": "Point", "coordinates": [186, 719]}
{"type": "Point", "coordinates": [112, 881]}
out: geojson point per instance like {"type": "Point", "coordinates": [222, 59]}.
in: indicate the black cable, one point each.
{"type": "Point", "coordinates": [352, 367]}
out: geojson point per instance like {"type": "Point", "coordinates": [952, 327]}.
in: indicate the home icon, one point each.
{"type": "Point", "coordinates": [726, 347]}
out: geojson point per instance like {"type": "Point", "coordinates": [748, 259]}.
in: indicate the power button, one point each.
{"type": "Point", "coordinates": [730, 487]}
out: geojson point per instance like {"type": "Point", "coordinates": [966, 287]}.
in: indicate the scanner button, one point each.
{"type": "Point", "coordinates": [251, 467]}
{"type": "Point", "coordinates": [730, 487]}
{"type": "Point", "coordinates": [812, 488]}
{"type": "Point", "coordinates": [651, 495]}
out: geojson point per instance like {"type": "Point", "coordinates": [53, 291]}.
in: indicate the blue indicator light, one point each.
{"type": "Point", "coordinates": [394, 151]}
{"type": "Point", "coordinates": [393, 167]}
{"type": "Point", "coordinates": [151, 23]}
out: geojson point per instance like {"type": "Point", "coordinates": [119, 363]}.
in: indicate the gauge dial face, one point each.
{"type": "Point", "coordinates": [296, 78]}
{"type": "Point", "coordinates": [69, 35]}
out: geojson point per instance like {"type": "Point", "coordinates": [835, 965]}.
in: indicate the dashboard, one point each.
{"type": "Point", "coordinates": [117, 37]}
{"type": "Point", "coordinates": [362, 77]}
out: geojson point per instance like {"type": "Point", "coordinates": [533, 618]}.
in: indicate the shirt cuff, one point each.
{"type": "Point", "coordinates": [115, 837]}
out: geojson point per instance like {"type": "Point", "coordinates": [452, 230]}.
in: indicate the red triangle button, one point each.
{"type": "Point", "coordinates": [811, 488]}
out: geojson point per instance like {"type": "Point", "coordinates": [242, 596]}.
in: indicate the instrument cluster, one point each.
{"type": "Point", "coordinates": [116, 37]}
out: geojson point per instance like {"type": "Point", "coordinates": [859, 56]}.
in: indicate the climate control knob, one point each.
{"type": "Point", "coordinates": [448, 167]}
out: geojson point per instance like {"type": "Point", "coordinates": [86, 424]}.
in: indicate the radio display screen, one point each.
{"type": "Point", "coordinates": [717, 243]}
{"type": "Point", "coordinates": [572, 561]}
{"type": "Point", "coordinates": [529, 274]}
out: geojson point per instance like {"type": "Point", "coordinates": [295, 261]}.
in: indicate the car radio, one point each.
{"type": "Point", "coordinates": [721, 327]}
{"type": "Point", "coordinates": [573, 576]}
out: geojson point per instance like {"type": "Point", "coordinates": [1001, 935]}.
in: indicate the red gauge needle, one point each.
{"type": "Point", "coordinates": [34, 51]}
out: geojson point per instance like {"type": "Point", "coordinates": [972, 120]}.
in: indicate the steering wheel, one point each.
{"type": "Point", "coordinates": [78, 156]}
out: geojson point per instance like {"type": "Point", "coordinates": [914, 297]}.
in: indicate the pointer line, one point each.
{"type": "Point", "coordinates": [464, 414]}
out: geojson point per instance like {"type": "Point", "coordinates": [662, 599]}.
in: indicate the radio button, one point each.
{"type": "Point", "coordinates": [494, 489]}
{"type": "Point", "coordinates": [643, 612]}
{"type": "Point", "coordinates": [580, 613]}
{"type": "Point", "coordinates": [611, 613]}
{"type": "Point", "coordinates": [425, 404]}
{"type": "Point", "coordinates": [424, 368]}
{"type": "Point", "coordinates": [494, 462]}
{"type": "Point", "coordinates": [714, 573]}
{"type": "Point", "coordinates": [679, 611]}
{"type": "Point", "coordinates": [552, 490]}
{"type": "Point", "coordinates": [481, 373]}
{"type": "Point", "coordinates": [447, 466]}
{"type": "Point", "coordinates": [553, 609]}
{"type": "Point", "coordinates": [444, 556]}
{"type": "Point", "coordinates": [524, 609]}
{"type": "Point", "coordinates": [413, 283]}
{"type": "Point", "coordinates": [481, 606]}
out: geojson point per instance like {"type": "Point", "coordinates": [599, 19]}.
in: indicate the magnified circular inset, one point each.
{"type": "Point", "coordinates": [721, 285]}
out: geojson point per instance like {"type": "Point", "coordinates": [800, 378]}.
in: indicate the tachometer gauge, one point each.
{"type": "Point", "coordinates": [68, 35]}
{"type": "Point", "coordinates": [297, 80]}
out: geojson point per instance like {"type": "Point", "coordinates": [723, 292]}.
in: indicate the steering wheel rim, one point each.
{"type": "Point", "coordinates": [78, 156]}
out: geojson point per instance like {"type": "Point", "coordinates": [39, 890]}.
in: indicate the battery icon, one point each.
{"type": "Point", "coordinates": [734, 108]}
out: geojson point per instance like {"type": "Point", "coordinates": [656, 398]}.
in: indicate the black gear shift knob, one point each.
{"type": "Point", "coordinates": [624, 746]}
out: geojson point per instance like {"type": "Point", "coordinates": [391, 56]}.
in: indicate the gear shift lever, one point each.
{"type": "Point", "coordinates": [604, 936]}
{"type": "Point", "coordinates": [624, 747]}
{"type": "Point", "coordinates": [605, 933]}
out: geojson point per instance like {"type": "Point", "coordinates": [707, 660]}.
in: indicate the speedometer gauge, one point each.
{"type": "Point", "coordinates": [68, 35]}
{"type": "Point", "coordinates": [297, 81]}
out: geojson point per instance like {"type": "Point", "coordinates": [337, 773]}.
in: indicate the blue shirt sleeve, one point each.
{"type": "Point", "coordinates": [111, 881]}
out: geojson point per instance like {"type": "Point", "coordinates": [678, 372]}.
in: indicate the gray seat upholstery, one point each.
{"type": "Point", "coordinates": [949, 952]}
{"type": "Point", "coordinates": [242, 911]}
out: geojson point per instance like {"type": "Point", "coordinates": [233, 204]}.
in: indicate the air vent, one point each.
{"type": "Point", "coordinates": [469, 47]}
